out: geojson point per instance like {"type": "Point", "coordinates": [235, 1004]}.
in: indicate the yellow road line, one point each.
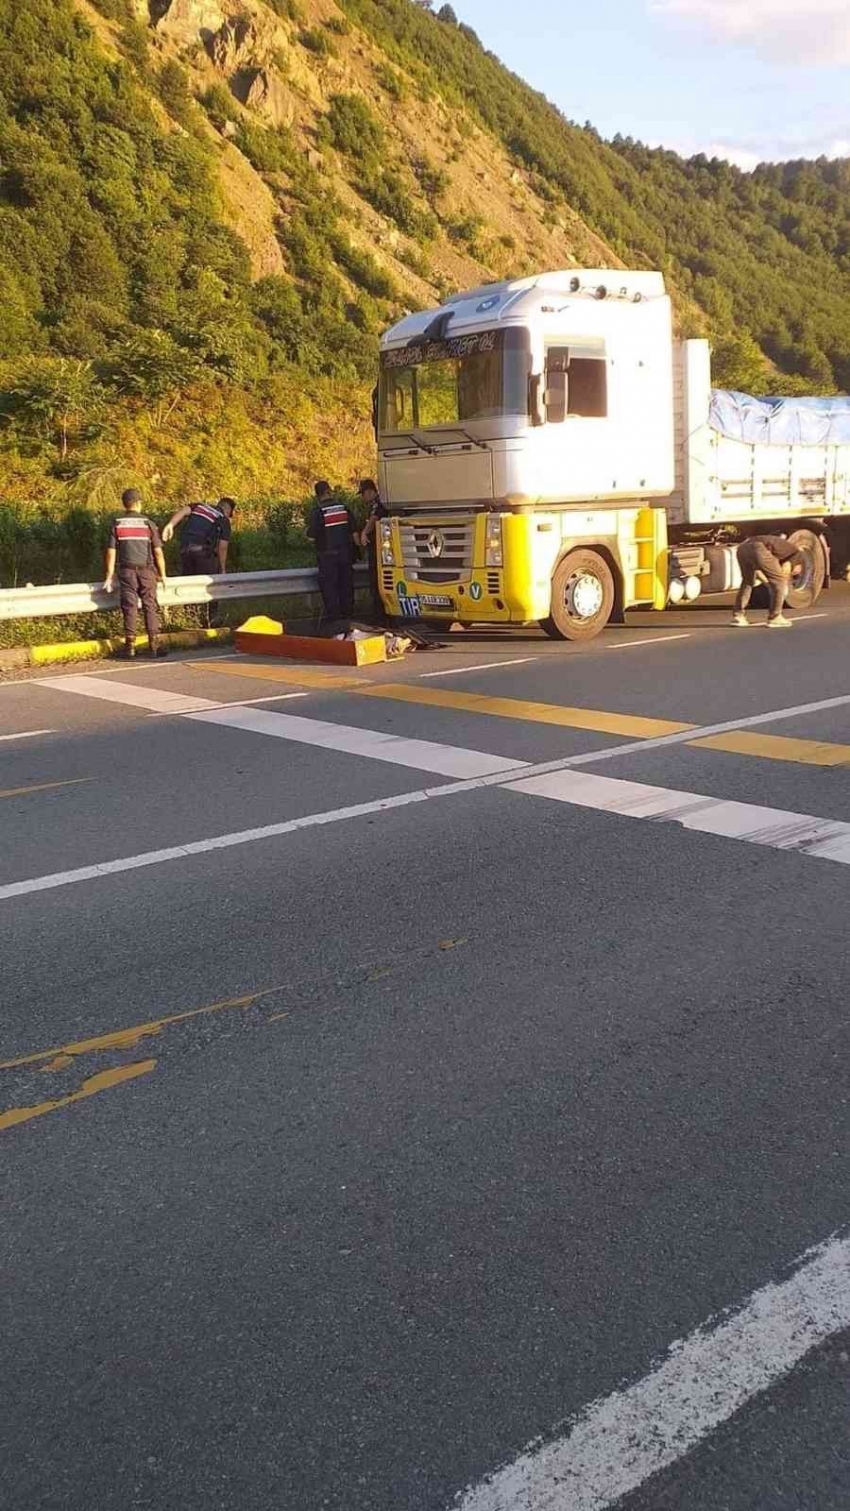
{"type": "Point", "coordinates": [777, 748]}
{"type": "Point", "coordinates": [90, 1088]}
{"type": "Point", "coordinates": [769, 747]}
{"type": "Point", "coordinates": [536, 713]}
{"type": "Point", "coordinates": [630, 725]}
{"type": "Point", "coordinates": [128, 1038]}
{"type": "Point", "coordinates": [308, 676]}
{"type": "Point", "coordinates": [44, 786]}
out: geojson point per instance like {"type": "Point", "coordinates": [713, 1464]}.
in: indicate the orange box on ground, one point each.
{"type": "Point", "coordinates": [265, 637]}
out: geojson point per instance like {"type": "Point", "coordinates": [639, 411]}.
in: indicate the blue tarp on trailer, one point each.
{"type": "Point", "coordinates": [780, 422]}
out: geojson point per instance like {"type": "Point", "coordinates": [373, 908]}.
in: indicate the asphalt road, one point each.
{"type": "Point", "coordinates": [431, 1105]}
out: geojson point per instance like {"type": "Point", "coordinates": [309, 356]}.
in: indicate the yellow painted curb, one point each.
{"type": "Point", "coordinates": [81, 650]}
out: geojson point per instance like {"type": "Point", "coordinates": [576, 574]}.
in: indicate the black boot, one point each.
{"type": "Point", "coordinates": [129, 651]}
{"type": "Point", "coordinates": [157, 650]}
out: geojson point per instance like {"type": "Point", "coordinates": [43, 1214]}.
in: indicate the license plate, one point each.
{"type": "Point", "coordinates": [413, 607]}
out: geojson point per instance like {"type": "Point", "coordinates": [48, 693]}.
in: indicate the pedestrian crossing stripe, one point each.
{"type": "Point", "coordinates": [803, 833]}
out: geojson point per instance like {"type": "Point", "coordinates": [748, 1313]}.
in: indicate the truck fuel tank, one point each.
{"type": "Point", "coordinates": [696, 570]}
{"type": "Point", "coordinates": [724, 574]}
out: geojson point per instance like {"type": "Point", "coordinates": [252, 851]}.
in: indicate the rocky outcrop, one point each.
{"type": "Point", "coordinates": [184, 21]}
{"type": "Point", "coordinates": [243, 41]}
{"type": "Point", "coordinates": [262, 91]}
{"type": "Point", "coordinates": [233, 45]}
{"type": "Point", "coordinates": [251, 210]}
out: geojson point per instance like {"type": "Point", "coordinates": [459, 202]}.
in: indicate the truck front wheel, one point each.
{"type": "Point", "coordinates": [582, 597]}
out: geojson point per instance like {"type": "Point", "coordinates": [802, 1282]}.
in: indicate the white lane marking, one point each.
{"type": "Point", "coordinates": [452, 789]}
{"type": "Point", "coordinates": [28, 734]}
{"type": "Point", "coordinates": [175, 660]}
{"type": "Point", "coordinates": [619, 1440]}
{"type": "Point", "coordinates": [241, 703]}
{"type": "Point", "coordinates": [125, 692]}
{"type": "Point", "coordinates": [424, 755]}
{"type": "Point", "coordinates": [823, 839]}
{"type": "Point", "coordinates": [632, 747]}
{"type": "Point", "coordinates": [805, 618]}
{"type": "Point", "coordinates": [827, 839]}
{"type": "Point", "coordinates": [201, 847]}
{"type": "Point", "coordinates": [659, 639]}
{"type": "Point", "coordinates": [128, 693]}
{"type": "Point", "coordinates": [488, 666]}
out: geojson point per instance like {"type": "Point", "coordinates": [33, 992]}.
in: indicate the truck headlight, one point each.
{"type": "Point", "coordinates": [493, 542]}
{"type": "Point", "coordinates": [387, 556]}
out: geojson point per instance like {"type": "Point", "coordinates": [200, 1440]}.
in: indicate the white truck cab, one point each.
{"type": "Point", "coordinates": [536, 437]}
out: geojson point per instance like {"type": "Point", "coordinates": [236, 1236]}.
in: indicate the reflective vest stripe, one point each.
{"type": "Point", "coordinates": [205, 512]}
{"type": "Point", "coordinates": [335, 516]}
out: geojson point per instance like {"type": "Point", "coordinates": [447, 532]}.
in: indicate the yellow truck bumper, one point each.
{"type": "Point", "coordinates": [518, 589]}
{"type": "Point", "coordinates": [503, 593]}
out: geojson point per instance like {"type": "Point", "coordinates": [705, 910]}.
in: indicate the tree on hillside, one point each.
{"type": "Point", "coordinates": [56, 396]}
{"type": "Point", "coordinates": [738, 362]}
{"type": "Point", "coordinates": [151, 366]}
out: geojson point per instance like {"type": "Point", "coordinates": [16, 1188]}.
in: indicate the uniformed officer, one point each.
{"type": "Point", "coordinates": [331, 528]}
{"type": "Point", "coordinates": [370, 540]}
{"type": "Point", "coordinates": [134, 543]}
{"type": "Point", "coordinates": [204, 538]}
{"type": "Point", "coordinates": [778, 560]}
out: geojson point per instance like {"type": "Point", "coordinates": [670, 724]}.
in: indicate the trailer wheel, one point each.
{"type": "Point", "coordinates": [582, 597]}
{"type": "Point", "coordinates": [806, 591]}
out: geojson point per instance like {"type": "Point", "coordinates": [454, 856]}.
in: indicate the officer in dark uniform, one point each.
{"type": "Point", "coordinates": [134, 543]}
{"type": "Point", "coordinates": [204, 538]}
{"type": "Point", "coordinates": [331, 528]}
{"type": "Point", "coordinates": [778, 560]}
{"type": "Point", "coordinates": [370, 540]}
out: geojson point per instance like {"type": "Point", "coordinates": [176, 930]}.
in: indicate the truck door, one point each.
{"type": "Point", "coordinates": [576, 450]}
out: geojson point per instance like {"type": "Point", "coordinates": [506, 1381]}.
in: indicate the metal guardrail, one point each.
{"type": "Point", "coordinates": [87, 597]}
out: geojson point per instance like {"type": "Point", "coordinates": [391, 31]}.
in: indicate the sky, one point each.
{"type": "Point", "coordinates": [749, 80]}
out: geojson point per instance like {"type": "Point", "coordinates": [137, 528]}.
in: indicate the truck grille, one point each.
{"type": "Point", "coordinates": [453, 563]}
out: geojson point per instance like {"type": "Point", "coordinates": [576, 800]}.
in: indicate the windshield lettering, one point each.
{"type": "Point", "coordinates": [440, 384]}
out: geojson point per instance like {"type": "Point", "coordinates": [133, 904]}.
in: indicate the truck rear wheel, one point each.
{"type": "Point", "coordinates": [806, 590]}
{"type": "Point", "coordinates": [582, 597]}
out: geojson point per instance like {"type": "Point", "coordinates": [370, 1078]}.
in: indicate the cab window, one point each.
{"type": "Point", "coordinates": [576, 381]}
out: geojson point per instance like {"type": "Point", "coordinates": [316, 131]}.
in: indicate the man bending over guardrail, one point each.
{"type": "Point", "coordinates": [204, 538]}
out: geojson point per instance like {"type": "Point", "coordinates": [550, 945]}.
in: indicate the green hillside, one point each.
{"type": "Point", "coordinates": [207, 215]}
{"type": "Point", "coordinates": [766, 254]}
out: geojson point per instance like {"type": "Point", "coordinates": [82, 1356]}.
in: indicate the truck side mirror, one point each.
{"type": "Point", "coordinates": [375, 410]}
{"type": "Point", "coordinates": [536, 399]}
{"type": "Point", "coordinates": [556, 396]}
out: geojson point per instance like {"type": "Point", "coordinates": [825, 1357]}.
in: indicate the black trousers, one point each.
{"type": "Point", "coordinates": [336, 584]}
{"type": "Point", "coordinates": [196, 562]}
{"type": "Point", "coordinates": [754, 557]}
{"type": "Point", "coordinates": [135, 583]}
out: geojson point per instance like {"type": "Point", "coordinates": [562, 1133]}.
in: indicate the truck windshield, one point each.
{"type": "Point", "coordinates": [443, 383]}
